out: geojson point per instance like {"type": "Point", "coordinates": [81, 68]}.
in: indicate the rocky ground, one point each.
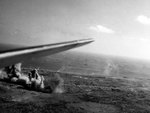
{"type": "Point", "coordinates": [81, 94]}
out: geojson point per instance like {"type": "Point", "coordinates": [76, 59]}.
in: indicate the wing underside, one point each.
{"type": "Point", "coordinates": [22, 54]}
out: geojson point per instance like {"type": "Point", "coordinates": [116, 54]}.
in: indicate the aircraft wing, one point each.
{"type": "Point", "coordinates": [14, 56]}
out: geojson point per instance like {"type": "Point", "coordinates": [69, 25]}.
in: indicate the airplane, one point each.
{"type": "Point", "coordinates": [12, 56]}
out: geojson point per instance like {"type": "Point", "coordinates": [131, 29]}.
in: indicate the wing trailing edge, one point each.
{"type": "Point", "coordinates": [13, 56]}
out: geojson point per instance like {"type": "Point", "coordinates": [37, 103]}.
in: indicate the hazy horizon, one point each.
{"type": "Point", "coordinates": [120, 28]}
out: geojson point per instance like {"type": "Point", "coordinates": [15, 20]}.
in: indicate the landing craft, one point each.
{"type": "Point", "coordinates": [13, 56]}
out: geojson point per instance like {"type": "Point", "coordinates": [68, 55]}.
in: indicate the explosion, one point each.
{"type": "Point", "coordinates": [33, 80]}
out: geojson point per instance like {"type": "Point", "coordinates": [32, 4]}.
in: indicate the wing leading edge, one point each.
{"type": "Point", "coordinates": [18, 55]}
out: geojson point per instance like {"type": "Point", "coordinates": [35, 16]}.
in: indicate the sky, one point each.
{"type": "Point", "coordinates": [119, 27]}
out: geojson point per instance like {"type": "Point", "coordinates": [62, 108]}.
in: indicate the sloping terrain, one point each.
{"type": "Point", "coordinates": [82, 94]}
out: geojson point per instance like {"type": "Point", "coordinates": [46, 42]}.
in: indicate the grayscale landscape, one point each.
{"type": "Point", "coordinates": [108, 73]}
{"type": "Point", "coordinates": [91, 84]}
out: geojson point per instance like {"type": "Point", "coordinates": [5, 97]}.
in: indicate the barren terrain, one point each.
{"type": "Point", "coordinates": [82, 94]}
{"type": "Point", "coordinates": [92, 84]}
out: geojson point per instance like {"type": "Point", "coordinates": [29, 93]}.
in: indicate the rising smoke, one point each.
{"type": "Point", "coordinates": [111, 69]}
{"type": "Point", "coordinates": [57, 84]}
{"type": "Point", "coordinates": [3, 74]}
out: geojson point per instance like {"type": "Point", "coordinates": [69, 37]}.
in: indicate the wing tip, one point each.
{"type": "Point", "coordinates": [88, 40]}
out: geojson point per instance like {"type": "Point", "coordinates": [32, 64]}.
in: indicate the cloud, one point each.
{"type": "Point", "coordinates": [143, 19]}
{"type": "Point", "coordinates": [100, 28]}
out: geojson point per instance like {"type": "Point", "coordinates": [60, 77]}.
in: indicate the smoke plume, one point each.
{"type": "Point", "coordinates": [57, 84]}
{"type": "Point", "coordinates": [111, 69]}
